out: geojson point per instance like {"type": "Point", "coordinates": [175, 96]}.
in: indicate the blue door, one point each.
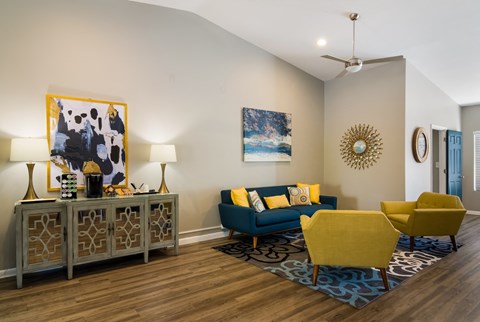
{"type": "Point", "coordinates": [454, 163]}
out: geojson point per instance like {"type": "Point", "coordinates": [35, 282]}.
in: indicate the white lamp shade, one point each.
{"type": "Point", "coordinates": [163, 153]}
{"type": "Point", "coordinates": [28, 149]}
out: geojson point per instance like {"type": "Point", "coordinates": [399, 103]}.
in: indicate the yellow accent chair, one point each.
{"type": "Point", "coordinates": [433, 214]}
{"type": "Point", "coordinates": [351, 238]}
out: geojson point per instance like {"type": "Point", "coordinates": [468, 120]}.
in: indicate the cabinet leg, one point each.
{"type": "Point", "coordinates": [19, 280]}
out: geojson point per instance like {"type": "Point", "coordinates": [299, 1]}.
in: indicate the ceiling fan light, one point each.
{"type": "Point", "coordinates": [353, 68]}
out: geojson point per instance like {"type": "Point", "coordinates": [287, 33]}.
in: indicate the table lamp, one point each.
{"type": "Point", "coordinates": [163, 153]}
{"type": "Point", "coordinates": [30, 150]}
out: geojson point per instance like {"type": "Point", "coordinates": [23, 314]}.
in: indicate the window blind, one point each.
{"type": "Point", "coordinates": [476, 156]}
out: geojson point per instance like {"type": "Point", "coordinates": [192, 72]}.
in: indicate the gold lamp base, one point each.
{"type": "Point", "coordinates": [163, 186]}
{"type": "Point", "coordinates": [31, 194]}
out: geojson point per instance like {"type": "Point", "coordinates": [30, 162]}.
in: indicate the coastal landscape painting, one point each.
{"type": "Point", "coordinates": [267, 135]}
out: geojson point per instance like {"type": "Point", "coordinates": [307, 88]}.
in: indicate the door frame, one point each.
{"type": "Point", "coordinates": [441, 147]}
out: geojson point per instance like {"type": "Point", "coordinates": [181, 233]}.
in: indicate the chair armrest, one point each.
{"type": "Point", "coordinates": [238, 218]}
{"type": "Point", "coordinates": [398, 207]}
{"type": "Point", "coordinates": [305, 222]}
{"type": "Point", "coordinates": [330, 200]}
{"type": "Point", "coordinates": [438, 221]}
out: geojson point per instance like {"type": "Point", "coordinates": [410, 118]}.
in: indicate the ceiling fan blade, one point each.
{"type": "Point", "coordinates": [342, 73]}
{"type": "Point", "coordinates": [382, 60]}
{"type": "Point", "coordinates": [335, 58]}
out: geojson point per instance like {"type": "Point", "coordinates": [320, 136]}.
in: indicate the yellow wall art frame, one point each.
{"type": "Point", "coordinates": [84, 133]}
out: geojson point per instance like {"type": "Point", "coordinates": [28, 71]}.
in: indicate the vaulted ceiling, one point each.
{"type": "Point", "coordinates": [441, 38]}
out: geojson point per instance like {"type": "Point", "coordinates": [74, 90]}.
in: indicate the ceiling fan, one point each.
{"type": "Point", "coordinates": [354, 64]}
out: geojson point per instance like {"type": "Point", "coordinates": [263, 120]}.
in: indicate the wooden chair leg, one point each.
{"type": "Point", "coordinates": [383, 272]}
{"type": "Point", "coordinates": [412, 243]}
{"type": "Point", "coordinates": [255, 241]}
{"type": "Point", "coordinates": [315, 275]}
{"type": "Point", "coordinates": [309, 259]}
{"type": "Point", "coordinates": [230, 234]}
{"type": "Point", "coordinates": [454, 243]}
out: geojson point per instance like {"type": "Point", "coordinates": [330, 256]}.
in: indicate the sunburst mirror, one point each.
{"type": "Point", "coordinates": [361, 146]}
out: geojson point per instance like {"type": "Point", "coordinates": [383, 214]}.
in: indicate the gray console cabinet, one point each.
{"type": "Point", "coordinates": [41, 240]}
{"type": "Point", "coordinates": [69, 233]}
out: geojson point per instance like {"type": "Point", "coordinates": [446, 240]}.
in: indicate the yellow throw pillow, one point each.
{"type": "Point", "coordinates": [314, 191]}
{"type": "Point", "coordinates": [240, 197]}
{"type": "Point", "coordinates": [277, 202]}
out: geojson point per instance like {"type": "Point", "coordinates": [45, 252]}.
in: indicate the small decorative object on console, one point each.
{"type": "Point", "coordinates": [110, 191]}
{"type": "Point", "coordinates": [68, 188]}
{"type": "Point", "coordinates": [93, 185]}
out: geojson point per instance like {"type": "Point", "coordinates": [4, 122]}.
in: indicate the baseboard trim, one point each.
{"type": "Point", "coordinates": [197, 239]}
{"type": "Point", "coordinates": [182, 241]}
{"type": "Point", "coordinates": [8, 272]}
{"type": "Point", "coordinates": [472, 212]}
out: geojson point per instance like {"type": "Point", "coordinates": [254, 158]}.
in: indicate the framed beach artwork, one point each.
{"type": "Point", "coordinates": [86, 134]}
{"type": "Point", "coordinates": [267, 135]}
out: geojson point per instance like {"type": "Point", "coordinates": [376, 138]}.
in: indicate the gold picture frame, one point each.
{"type": "Point", "coordinates": [86, 133]}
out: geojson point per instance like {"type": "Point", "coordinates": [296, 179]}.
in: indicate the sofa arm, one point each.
{"type": "Point", "coordinates": [398, 207]}
{"type": "Point", "coordinates": [241, 219]}
{"type": "Point", "coordinates": [330, 200]}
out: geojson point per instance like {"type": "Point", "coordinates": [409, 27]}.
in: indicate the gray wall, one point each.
{"type": "Point", "coordinates": [375, 97]}
{"type": "Point", "coordinates": [470, 123]}
{"type": "Point", "coordinates": [185, 82]}
{"type": "Point", "coordinates": [394, 98]}
{"type": "Point", "coordinates": [425, 105]}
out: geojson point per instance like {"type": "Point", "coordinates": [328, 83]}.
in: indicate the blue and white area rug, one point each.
{"type": "Point", "coordinates": [284, 255]}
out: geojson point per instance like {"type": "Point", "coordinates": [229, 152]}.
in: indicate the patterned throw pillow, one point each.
{"type": "Point", "coordinates": [314, 191]}
{"type": "Point", "coordinates": [256, 201]}
{"type": "Point", "coordinates": [299, 196]}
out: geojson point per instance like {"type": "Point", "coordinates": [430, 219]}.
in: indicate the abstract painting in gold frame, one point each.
{"type": "Point", "coordinates": [89, 134]}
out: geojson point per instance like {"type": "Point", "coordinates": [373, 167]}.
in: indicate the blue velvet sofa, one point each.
{"type": "Point", "coordinates": [246, 220]}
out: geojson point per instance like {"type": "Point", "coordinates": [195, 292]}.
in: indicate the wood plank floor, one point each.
{"type": "Point", "coordinates": [202, 284]}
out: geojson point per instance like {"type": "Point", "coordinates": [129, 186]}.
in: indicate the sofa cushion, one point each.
{"type": "Point", "coordinates": [277, 202]}
{"type": "Point", "coordinates": [275, 216]}
{"type": "Point", "coordinates": [310, 210]}
{"type": "Point", "coordinates": [314, 191]}
{"type": "Point", "coordinates": [255, 200]}
{"type": "Point", "coordinates": [240, 197]}
{"type": "Point", "coordinates": [271, 191]}
{"type": "Point", "coordinates": [299, 196]}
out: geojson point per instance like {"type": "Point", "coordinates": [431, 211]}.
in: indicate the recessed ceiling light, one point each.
{"type": "Point", "coordinates": [321, 42]}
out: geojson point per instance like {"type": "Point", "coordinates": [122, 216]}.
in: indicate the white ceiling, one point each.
{"type": "Point", "coordinates": [441, 38]}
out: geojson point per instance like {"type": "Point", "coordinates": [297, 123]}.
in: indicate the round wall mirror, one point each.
{"type": "Point", "coordinates": [359, 146]}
